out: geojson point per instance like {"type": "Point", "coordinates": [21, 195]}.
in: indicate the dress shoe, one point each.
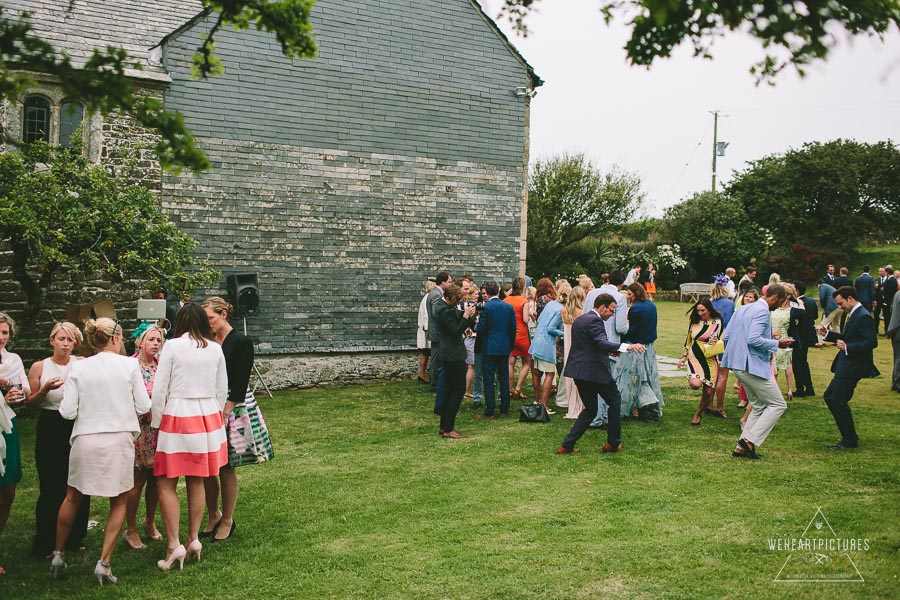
{"type": "Point", "coordinates": [453, 435]}
{"type": "Point", "coordinates": [103, 572]}
{"type": "Point", "coordinates": [749, 448]}
{"type": "Point", "coordinates": [608, 449]}
{"type": "Point", "coordinates": [799, 394]}
{"type": "Point", "coordinates": [564, 450]}
{"type": "Point", "coordinates": [178, 553]}
{"type": "Point", "coordinates": [810, 393]}
{"type": "Point", "coordinates": [842, 445]}
{"type": "Point", "coordinates": [488, 417]}
{"type": "Point", "coordinates": [740, 454]}
{"type": "Point", "coordinates": [58, 566]}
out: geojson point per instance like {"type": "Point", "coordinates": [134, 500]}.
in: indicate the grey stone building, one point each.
{"type": "Point", "coordinates": [342, 182]}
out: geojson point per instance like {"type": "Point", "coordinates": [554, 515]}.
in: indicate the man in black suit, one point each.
{"type": "Point", "coordinates": [807, 338]}
{"type": "Point", "coordinates": [888, 289]}
{"type": "Point", "coordinates": [588, 365]}
{"type": "Point", "coordinates": [865, 289]}
{"type": "Point", "coordinates": [497, 334]}
{"type": "Point", "coordinates": [829, 275]}
{"type": "Point", "coordinates": [443, 281]}
{"type": "Point", "coordinates": [855, 344]}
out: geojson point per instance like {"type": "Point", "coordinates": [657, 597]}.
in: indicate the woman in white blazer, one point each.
{"type": "Point", "coordinates": [189, 395]}
{"type": "Point", "coordinates": [103, 394]}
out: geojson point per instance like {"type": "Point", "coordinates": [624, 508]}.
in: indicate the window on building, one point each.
{"type": "Point", "coordinates": [37, 120]}
{"type": "Point", "coordinates": [71, 114]}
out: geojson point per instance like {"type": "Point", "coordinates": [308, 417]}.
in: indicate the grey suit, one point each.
{"type": "Point", "coordinates": [434, 336]}
{"type": "Point", "coordinates": [893, 332]}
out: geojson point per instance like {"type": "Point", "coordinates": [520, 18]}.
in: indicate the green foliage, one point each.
{"type": "Point", "coordinates": [792, 33]}
{"type": "Point", "coordinates": [570, 200]}
{"type": "Point", "coordinates": [714, 232]}
{"type": "Point", "coordinates": [102, 85]}
{"type": "Point", "coordinates": [61, 214]}
{"type": "Point", "coordinates": [833, 195]}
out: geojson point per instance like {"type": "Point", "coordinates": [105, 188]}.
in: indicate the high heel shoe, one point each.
{"type": "Point", "coordinates": [230, 531]}
{"type": "Point", "coordinates": [153, 536]}
{"type": "Point", "coordinates": [58, 566]}
{"type": "Point", "coordinates": [104, 572]}
{"type": "Point", "coordinates": [140, 546]}
{"type": "Point", "coordinates": [211, 532]}
{"type": "Point", "coordinates": [177, 554]}
{"type": "Point", "coordinates": [194, 548]}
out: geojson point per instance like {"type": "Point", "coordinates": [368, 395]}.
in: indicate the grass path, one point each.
{"type": "Point", "coordinates": [364, 500]}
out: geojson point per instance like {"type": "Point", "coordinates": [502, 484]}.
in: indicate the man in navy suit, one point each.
{"type": "Point", "coordinates": [497, 332]}
{"type": "Point", "coordinates": [588, 365]}
{"type": "Point", "coordinates": [853, 362]}
{"type": "Point", "coordinates": [865, 288]}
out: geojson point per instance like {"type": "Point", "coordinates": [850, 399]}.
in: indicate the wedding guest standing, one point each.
{"type": "Point", "coordinates": [189, 396]}
{"type": "Point", "coordinates": [15, 389]}
{"type": "Point", "coordinates": [104, 395]}
{"type": "Point", "coordinates": [148, 344]}
{"type": "Point", "coordinates": [704, 330]}
{"type": "Point", "coordinates": [51, 447]}
{"type": "Point", "coordinates": [243, 421]}
{"type": "Point", "coordinates": [638, 376]}
{"type": "Point", "coordinates": [574, 307]}
{"type": "Point", "coordinates": [452, 324]}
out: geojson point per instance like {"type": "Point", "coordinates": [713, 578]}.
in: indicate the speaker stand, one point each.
{"type": "Point", "coordinates": [259, 377]}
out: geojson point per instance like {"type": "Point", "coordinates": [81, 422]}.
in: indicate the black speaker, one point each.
{"type": "Point", "coordinates": [244, 292]}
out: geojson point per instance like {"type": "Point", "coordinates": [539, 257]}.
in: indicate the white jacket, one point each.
{"type": "Point", "coordinates": [104, 394]}
{"type": "Point", "coordinates": [186, 370]}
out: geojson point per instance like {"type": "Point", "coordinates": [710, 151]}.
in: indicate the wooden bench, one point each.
{"type": "Point", "coordinates": [694, 291]}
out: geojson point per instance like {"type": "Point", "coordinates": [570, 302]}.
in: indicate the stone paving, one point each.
{"type": "Point", "coordinates": [668, 367]}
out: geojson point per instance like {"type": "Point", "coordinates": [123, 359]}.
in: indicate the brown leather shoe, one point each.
{"type": "Point", "coordinates": [607, 449]}
{"type": "Point", "coordinates": [454, 435]}
{"type": "Point", "coordinates": [564, 450]}
{"type": "Point", "coordinates": [488, 417]}
{"type": "Point", "coordinates": [504, 414]}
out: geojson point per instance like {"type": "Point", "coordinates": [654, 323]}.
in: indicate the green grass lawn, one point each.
{"type": "Point", "coordinates": [875, 256]}
{"type": "Point", "coordinates": [364, 500]}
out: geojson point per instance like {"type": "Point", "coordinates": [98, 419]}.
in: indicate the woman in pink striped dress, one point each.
{"type": "Point", "coordinates": [188, 397]}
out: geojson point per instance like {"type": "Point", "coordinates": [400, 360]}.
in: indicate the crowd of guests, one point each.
{"type": "Point", "coordinates": [755, 332]}
{"type": "Point", "coordinates": [123, 427]}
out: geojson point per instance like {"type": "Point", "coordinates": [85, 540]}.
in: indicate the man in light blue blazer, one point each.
{"type": "Point", "coordinates": [748, 347]}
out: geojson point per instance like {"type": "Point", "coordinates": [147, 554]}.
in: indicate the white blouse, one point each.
{"type": "Point", "coordinates": [186, 370]}
{"type": "Point", "coordinates": [104, 394]}
{"type": "Point", "coordinates": [11, 366]}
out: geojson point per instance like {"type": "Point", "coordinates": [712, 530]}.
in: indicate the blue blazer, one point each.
{"type": "Point", "coordinates": [497, 325]}
{"type": "Point", "coordinates": [589, 354]}
{"type": "Point", "coordinates": [865, 287]}
{"type": "Point", "coordinates": [826, 299]}
{"type": "Point", "coordinates": [748, 340]}
{"type": "Point", "coordinates": [861, 335]}
{"type": "Point", "coordinates": [549, 327]}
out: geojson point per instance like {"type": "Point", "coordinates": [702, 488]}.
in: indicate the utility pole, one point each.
{"type": "Point", "coordinates": [715, 147]}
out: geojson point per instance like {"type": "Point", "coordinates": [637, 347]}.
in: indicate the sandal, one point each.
{"type": "Point", "coordinates": [718, 414]}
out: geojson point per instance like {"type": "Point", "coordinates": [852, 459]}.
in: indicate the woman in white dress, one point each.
{"type": "Point", "coordinates": [104, 395]}
{"type": "Point", "coordinates": [189, 395]}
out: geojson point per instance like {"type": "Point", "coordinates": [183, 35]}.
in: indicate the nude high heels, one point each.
{"type": "Point", "coordinates": [58, 566]}
{"type": "Point", "coordinates": [177, 554]}
{"type": "Point", "coordinates": [194, 548]}
{"type": "Point", "coordinates": [103, 571]}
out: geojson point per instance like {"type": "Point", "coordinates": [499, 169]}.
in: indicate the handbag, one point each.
{"type": "Point", "coordinates": [248, 436]}
{"type": "Point", "coordinates": [533, 413]}
{"type": "Point", "coordinates": [710, 350]}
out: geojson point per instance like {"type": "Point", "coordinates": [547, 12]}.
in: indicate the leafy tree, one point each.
{"type": "Point", "coordinates": [714, 233]}
{"type": "Point", "coordinates": [793, 33]}
{"type": "Point", "coordinates": [60, 214]}
{"type": "Point", "coordinates": [832, 195]}
{"type": "Point", "coordinates": [569, 200]}
{"type": "Point", "coordinates": [101, 82]}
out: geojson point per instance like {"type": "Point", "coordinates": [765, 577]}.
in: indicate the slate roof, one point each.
{"type": "Point", "coordinates": [78, 26]}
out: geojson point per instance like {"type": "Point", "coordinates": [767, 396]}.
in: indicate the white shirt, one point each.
{"type": "Point", "coordinates": [104, 394]}
{"type": "Point", "coordinates": [186, 370]}
{"type": "Point", "coordinates": [730, 286]}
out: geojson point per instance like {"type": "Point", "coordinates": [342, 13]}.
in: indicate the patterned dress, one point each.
{"type": "Point", "coordinates": [699, 334]}
{"type": "Point", "coordinates": [145, 443]}
{"type": "Point", "coordinates": [781, 321]}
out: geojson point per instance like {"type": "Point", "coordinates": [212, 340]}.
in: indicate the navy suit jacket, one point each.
{"type": "Point", "coordinates": [497, 328]}
{"type": "Point", "coordinates": [589, 354]}
{"type": "Point", "coordinates": [865, 287]}
{"type": "Point", "coordinates": [808, 324]}
{"type": "Point", "coordinates": [861, 336]}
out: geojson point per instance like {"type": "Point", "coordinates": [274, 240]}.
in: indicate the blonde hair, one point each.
{"type": "Point", "coordinates": [70, 329]}
{"type": "Point", "coordinates": [100, 332]}
{"type": "Point", "coordinates": [5, 318]}
{"type": "Point", "coordinates": [140, 340]}
{"type": "Point", "coordinates": [774, 278]}
{"type": "Point", "coordinates": [574, 305]}
{"type": "Point", "coordinates": [218, 305]}
{"type": "Point", "coordinates": [530, 292]}
{"type": "Point", "coordinates": [718, 291]}
{"type": "Point", "coordinates": [429, 285]}
{"type": "Point", "coordinates": [790, 289]}
{"type": "Point", "coordinates": [563, 289]}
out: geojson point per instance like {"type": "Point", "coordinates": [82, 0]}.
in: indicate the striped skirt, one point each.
{"type": "Point", "coordinates": [192, 439]}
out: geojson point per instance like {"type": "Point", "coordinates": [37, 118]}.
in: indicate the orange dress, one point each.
{"type": "Point", "coordinates": [523, 343]}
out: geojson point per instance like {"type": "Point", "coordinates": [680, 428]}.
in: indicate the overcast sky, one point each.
{"type": "Point", "coordinates": [657, 122]}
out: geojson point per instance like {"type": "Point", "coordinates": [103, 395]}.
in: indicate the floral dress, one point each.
{"type": "Point", "coordinates": [145, 443]}
{"type": "Point", "coordinates": [781, 321]}
{"type": "Point", "coordinates": [699, 365]}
